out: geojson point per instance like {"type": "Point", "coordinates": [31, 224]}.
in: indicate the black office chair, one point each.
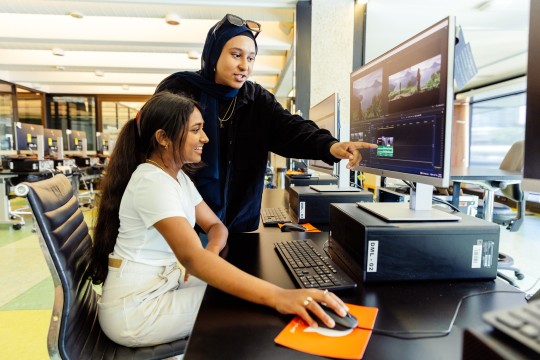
{"type": "Point", "coordinates": [74, 332]}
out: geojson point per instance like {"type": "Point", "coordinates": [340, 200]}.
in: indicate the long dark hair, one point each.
{"type": "Point", "coordinates": [135, 143]}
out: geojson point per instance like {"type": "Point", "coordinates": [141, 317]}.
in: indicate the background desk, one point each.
{"type": "Point", "coordinates": [483, 177]}
{"type": "Point", "coordinates": [230, 328]}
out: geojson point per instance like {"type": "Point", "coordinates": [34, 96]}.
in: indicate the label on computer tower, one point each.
{"type": "Point", "coordinates": [372, 255]}
{"type": "Point", "coordinates": [302, 212]}
{"type": "Point", "coordinates": [482, 254]}
{"type": "Point", "coordinates": [476, 256]}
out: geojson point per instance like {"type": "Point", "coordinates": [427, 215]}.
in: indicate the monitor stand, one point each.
{"type": "Point", "coordinates": [420, 208]}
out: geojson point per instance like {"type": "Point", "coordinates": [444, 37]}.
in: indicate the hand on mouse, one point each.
{"type": "Point", "coordinates": [304, 303]}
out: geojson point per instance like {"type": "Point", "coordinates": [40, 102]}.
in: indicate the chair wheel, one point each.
{"type": "Point", "coordinates": [519, 275]}
{"type": "Point", "coordinates": [17, 226]}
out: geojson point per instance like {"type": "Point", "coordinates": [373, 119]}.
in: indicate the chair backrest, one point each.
{"type": "Point", "coordinates": [513, 160]}
{"type": "Point", "coordinates": [74, 331]}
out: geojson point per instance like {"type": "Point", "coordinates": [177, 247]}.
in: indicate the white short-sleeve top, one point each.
{"type": "Point", "coordinates": [150, 196]}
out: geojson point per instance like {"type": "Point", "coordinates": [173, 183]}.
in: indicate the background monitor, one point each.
{"type": "Point", "coordinates": [51, 141]}
{"type": "Point", "coordinates": [531, 164]}
{"type": "Point", "coordinates": [326, 115]}
{"type": "Point", "coordinates": [7, 144]}
{"type": "Point", "coordinates": [105, 142]}
{"type": "Point", "coordinates": [75, 143]}
{"type": "Point", "coordinates": [403, 101]}
{"type": "Point", "coordinates": [26, 138]}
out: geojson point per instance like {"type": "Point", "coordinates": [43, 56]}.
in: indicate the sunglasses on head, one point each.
{"type": "Point", "coordinates": [238, 21]}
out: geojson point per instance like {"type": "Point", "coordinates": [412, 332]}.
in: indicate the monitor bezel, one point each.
{"type": "Point", "coordinates": [444, 181]}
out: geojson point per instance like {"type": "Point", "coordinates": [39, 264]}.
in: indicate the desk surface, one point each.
{"type": "Point", "coordinates": [483, 173]}
{"type": "Point", "coordinates": [228, 327]}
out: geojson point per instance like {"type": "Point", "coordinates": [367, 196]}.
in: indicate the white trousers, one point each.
{"type": "Point", "coordinates": [144, 305]}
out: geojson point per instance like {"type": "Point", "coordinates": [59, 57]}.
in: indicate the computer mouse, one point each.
{"type": "Point", "coordinates": [292, 227]}
{"type": "Point", "coordinates": [349, 321]}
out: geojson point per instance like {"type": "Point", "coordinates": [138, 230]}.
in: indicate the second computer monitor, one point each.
{"type": "Point", "coordinates": [105, 142]}
{"type": "Point", "coordinates": [27, 138]}
{"type": "Point", "coordinates": [53, 139]}
{"type": "Point", "coordinates": [76, 141]}
{"type": "Point", "coordinates": [326, 115]}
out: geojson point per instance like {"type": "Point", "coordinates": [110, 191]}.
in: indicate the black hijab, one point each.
{"type": "Point", "coordinates": [207, 178]}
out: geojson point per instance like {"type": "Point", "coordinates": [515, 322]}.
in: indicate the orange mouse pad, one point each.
{"type": "Point", "coordinates": [349, 344]}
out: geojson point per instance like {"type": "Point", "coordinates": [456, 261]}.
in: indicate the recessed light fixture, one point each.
{"type": "Point", "coordinates": [99, 73]}
{"type": "Point", "coordinates": [125, 87]}
{"type": "Point", "coordinates": [60, 68]}
{"type": "Point", "coordinates": [76, 14]}
{"type": "Point", "coordinates": [172, 19]}
{"type": "Point", "coordinates": [58, 51]}
{"type": "Point", "coordinates": [193, 55]}
{"type": "Point", "coordinates": [494, 5]}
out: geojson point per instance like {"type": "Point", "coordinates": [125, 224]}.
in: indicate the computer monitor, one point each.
{"type": "Point", "coordinates": [76, 141]}
{"type": "Point", "coordinates": [531, 164]}
{"type": "Point", "coordinates": [105, 143]}
{"type": "Point", "coordinates": [326, 115]}
{"type": "Point", "coordinates": [7, 144]}
{"type": "Point", "coordinates": [54, 143]}
{"type": "Point", "coordinates": [403, 102]}
{"type": "Point", "coordinates": [29, 139]}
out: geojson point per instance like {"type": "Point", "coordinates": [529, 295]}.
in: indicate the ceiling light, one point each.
{"type": "Point", "coordinates": [99, 73]}
{"type": "Point", "coordinates": [172, 19]}
{"type": "Point", "coordinates": [76, 14]}
{"type": "Point", "coordinates": [60, 68]}
{"type": "Point", "coordinates": [58, 51]}
{"type": "Point", "coordinates": [125, 87]}
{"type": "Point", "coordinates": [193, 55]}
{"type": "Point", "coordinates": [494, 5]}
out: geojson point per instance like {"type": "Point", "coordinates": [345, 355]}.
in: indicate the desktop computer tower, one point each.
{"type": "Point", "coordinates": [307, 179]}
{"type": "Point", "coordinates": [30, 165]}
{"type": "Point", "coordinates": [373, 249]}
{"type": "Point", "coordinates": [85, 161]}
{"type": "Point", "coordinates": [309, 206]}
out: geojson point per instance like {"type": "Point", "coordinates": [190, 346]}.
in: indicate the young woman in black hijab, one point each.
{"type": "Point", "coordinates": [244, 122]}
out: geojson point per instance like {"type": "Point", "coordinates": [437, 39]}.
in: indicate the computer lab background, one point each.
{"type": "Point", "coordinates": [495, 119]}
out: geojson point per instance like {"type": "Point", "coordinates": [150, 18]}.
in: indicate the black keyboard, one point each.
{"type": "Point", "coordinates": [274, 216]}
{"type": "Point", "coordinates": [521, 323]}
{"type": "Point", "coordinates": [310, 268]}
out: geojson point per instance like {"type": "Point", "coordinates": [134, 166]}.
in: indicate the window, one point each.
{"type": "Point", "coordinates": [116, 114]}
{"type": "Point", "coordinates": [496, 123]}
{"type": "Point", "coordinates": [73, 113]}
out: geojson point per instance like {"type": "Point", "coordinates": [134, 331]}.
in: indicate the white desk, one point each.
{"type": "Point", "coordinates": [488, 179]}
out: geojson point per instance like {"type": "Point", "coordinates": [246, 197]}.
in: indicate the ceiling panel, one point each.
{"type": "Point", "coordinates": [129, 42]}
